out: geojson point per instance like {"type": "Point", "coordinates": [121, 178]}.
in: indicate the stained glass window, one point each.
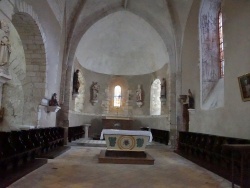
{"type": "Point", "coordinates": [221, 48]}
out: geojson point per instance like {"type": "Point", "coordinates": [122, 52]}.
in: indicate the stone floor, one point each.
{"type": "Point", "coordinates": [79, 168]}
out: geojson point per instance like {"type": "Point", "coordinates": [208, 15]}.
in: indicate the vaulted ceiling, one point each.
{"type": "Point", "coordinates": [122, 43]}
{"type": "Point", "coordinates": [122, 37]}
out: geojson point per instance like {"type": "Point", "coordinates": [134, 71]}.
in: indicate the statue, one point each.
{"type": "Point", "coordinates": [139, 94]}
{"type": "Point", "coordinates": [94, 91]}
{"type": "Point", "coordinates": [190, 100]}
{"type": "Point", "coordinates": [163, 88]}
{"type": "Point", "coordinates": [53, 101]}
{"type": "Point", "coordinates": [5, 48]}
{"type": "Point", "coordinates": [76, 83]}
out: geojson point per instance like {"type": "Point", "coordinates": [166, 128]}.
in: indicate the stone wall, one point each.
{"type": "Point", "coordinates": [157, 122]}
{"type": "Point", "coordinates": [129, 107]}
{"type": "Point", "coordinates": [35, 63]}
{"type": "Point", "coordinates": [34, 82]}
{"type": "Point", "coordinates": [13, 94]}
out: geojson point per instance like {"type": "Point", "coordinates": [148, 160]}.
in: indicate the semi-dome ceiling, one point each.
{"type": "Point", "coordinates": [122, 44]}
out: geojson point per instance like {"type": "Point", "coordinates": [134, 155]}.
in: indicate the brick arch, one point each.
{"type": "Point", "coordinates": [33, 83]}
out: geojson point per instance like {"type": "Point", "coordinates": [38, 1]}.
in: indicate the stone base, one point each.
{"type": "Point", "coordinates": [125, 157]}
{"type": "Point", "coordinates": [131, 154]}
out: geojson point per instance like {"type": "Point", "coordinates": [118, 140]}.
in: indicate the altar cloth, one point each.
{"type": "Point", "coordinates": [126, 132]}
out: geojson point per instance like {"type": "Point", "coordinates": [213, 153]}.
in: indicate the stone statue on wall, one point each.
{"type": "Point", "coordinates": [190, 100]}
{"type": "Point", "coordinates": [139, 94]}
{"type": "Point", "coordinates": [163, 88]}
{"type": "Point", "coordinates": [94, 91]}
{"type": "Point", "coordinates": [53, 101]}
{"type": "Point", "coordinates": [76, 83]}
{"type": "Point", "coordinates": [5, 47]}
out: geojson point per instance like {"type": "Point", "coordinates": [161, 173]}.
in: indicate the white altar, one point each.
{"type": "Point", "coordinates": [126, 140]}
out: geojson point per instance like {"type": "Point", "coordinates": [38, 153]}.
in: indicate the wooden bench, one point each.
{"type": "Point", "coordinates": [208, 151]}
{"type": "Point", "coordinates": [75, 133]}
{"type": "Point", "coordinates": [20, 147]}
{"type": "Point", "coordinates": [161, 136]}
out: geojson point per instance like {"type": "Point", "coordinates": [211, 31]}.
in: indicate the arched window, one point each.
{"type": "Point", "coordinates": [155, 101]}
{"type": "Point", "coordinates": [79, 100]}
{"type": "Point", "coordinates": [211, 55]}
{"type": "Point", "coordinates": [221, 48]}
{"type": "Point", "coordinates": [117, 96]}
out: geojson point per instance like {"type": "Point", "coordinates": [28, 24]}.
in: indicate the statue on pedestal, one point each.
{"type": "Point", "coordinates": [163, 88]}
{"type": "Point", "coordinates": [94, 92]}
{"type": "Point", "coordinates": [53, 101]}
{"type": "Point", "coordinates": [76, 83]}
{"type": "Point", "coordinates": [190, 100]}
{"type": "Point", "coordinates": [5, 47]}
{"type": "Point", "coordinates": [138, 94]}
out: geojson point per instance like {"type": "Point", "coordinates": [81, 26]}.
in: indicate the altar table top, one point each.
{"type": "Point", "coordinates": [127, 132]}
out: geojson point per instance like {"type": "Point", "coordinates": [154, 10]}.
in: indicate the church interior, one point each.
{"type": "Point", "coordinates": [176, 70]}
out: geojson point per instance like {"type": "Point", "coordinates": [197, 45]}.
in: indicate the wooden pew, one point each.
{"type": "Point", "coordinates": [161, 136]}
{"type": "Point", "coordinates": [75, 133]}
{"type": "Point", "coordinates": [207, 151]}
{"type": "Point", "coordinates": [244, 151]}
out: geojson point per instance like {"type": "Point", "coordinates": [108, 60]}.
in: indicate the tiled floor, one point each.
{"type": "Point", "coordinates": [79, 168]}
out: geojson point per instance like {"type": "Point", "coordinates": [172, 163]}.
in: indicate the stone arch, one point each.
{"type": "Point", "coordinates": [23, 7]}
{"type": "Point", "coordinates": [33, 83]}
{"type": "Point", "coordinates": [82, 26]}
{"type": "Point", "coordinates": [96, 16]}
{"type": "Point", "coordinates": [85, 24]}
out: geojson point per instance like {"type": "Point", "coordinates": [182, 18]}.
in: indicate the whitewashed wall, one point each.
{"type": "Point", "coordinates": [232, 119]}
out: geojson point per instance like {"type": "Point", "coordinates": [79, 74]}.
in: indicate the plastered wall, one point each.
{"type": "Point", "coordinates": [233, 118]}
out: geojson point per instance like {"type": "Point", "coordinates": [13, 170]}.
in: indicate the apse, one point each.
{"type": "Point", "coordinates": [122, 43]}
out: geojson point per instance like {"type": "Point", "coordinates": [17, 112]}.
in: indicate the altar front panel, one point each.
{"type": "Point", "coordinates": [126, 140]}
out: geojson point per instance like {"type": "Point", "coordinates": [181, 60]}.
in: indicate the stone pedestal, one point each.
{"type": "Point", "coordinates": [86, 130]}
{"type": "Point", "coordinates": [191, 113]}
{"type": "Point", "coordinates": [139, 104]}
{"type": "Point", "coordinates": [53, 108]}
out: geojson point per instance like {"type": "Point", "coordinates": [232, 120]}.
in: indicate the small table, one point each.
{"type": "Point", "coordinates": [86, 130]}
{"type": "Point", "coordinates": [244, 150]}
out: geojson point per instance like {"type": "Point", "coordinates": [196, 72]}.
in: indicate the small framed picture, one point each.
{"type": "Point", "coordinates": [244, 83]}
